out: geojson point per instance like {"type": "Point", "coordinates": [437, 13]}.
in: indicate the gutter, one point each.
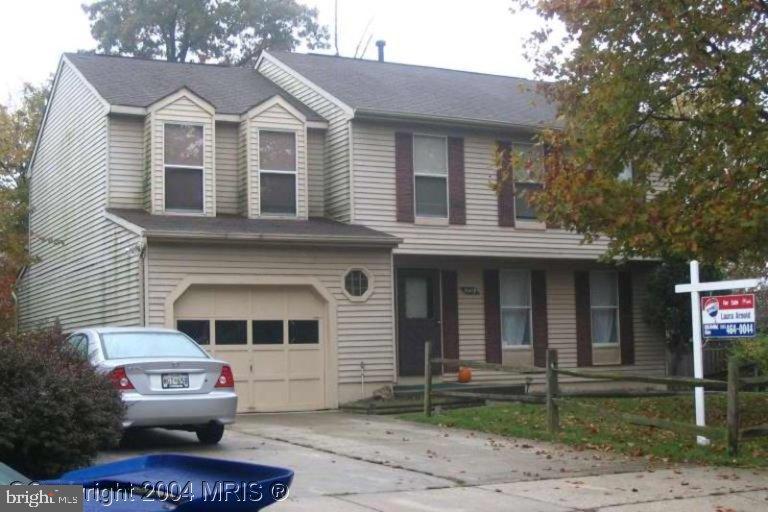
{"type": "Point", "coordinates": [329, 240]}
{"type": "Point", "coordinates": [377, 115]}
{"type": "Point", "coordinates": [125, 110]}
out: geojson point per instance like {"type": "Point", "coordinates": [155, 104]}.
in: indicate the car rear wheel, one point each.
{"type": "Point", "coordinates": [210, 433]}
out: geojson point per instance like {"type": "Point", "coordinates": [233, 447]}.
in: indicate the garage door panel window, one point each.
{"type": "Point", "coordinates": [267, 332]}
{"type": "Point", "coordinates": [303, 332]}
{"type": "Point", "coordinates": [183, 162]}
{"type": "Point", "coordinates": [277, 172]}
{"type": "Point", "coordinates": [198, 330]}
{"type": "Point", "coordinates": [231, 332]}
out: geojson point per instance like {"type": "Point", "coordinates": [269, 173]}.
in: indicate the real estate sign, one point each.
{"type": "Point", "coordinates": [728, 316]}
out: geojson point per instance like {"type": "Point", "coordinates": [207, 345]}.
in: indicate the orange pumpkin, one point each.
{"type": "Point", "coordinates": [465, 374]}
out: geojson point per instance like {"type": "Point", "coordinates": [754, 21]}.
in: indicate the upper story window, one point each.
{"type": "Point", "coordinates": [515, 299]}
{"type": "Point", "coordinates": [430, 167]}
{"type": "Point", "coordinates": [527, 182]}
{"type": "Point", "coordinates": [627, 172]}
{"type": "Point", "coordinates": [277, 172]}
{"type": "Point", "coordinates": [604, 305]}
{"type": "Point", "coordinates": [183, 164]}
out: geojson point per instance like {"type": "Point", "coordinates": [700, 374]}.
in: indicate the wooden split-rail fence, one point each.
{"type": "Point", "coordinates": [554, 400]}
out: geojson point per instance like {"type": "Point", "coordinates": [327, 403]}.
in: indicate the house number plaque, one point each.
{"type": "Point", "coordinates": [470, 290]}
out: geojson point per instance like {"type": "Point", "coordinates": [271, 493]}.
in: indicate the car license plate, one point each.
{"type": "Point", "coordinates": [175, 380]}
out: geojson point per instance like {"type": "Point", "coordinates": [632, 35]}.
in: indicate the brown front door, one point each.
{"type": "Point", "coordinates": [418, 318]}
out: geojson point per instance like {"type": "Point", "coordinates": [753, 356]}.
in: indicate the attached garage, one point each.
{"type": "Point", "coordinates": [277, 338]}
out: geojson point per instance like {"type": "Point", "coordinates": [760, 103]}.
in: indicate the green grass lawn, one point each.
{"type": "Point", "coordinates": [587, 430]}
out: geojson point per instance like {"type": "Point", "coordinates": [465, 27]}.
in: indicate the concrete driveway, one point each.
{"type": "Point", "coordinates": [353, 463]}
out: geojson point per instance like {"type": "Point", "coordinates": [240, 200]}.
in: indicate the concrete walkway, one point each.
{"type": "Point", "coordinates": [353, 463]}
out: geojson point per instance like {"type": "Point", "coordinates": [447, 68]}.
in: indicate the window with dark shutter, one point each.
{"type": "Point", "coordinates": [404, 176]}
{"type": "Point", "coordinates": [626, 328]}
{"type": "Point", "coordinates": [457, 201]}
{"type": "Point", "coordinates": [540, 324]}
{"type": "Point", "coordinates": [506, 184]}
{"type": "Point", "coordinates": [492, 316]}
{"type": "Point", "coordinates": [583, 328]}
{"type": "Point", "coordinates": [450, 317]}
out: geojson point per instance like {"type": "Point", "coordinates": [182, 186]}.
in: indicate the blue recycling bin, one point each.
{"type": "Point", "coordinates": [179, 483]}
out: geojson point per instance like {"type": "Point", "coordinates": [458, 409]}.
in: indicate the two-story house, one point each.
{"type": "Point", "coordinates": [313, 221]}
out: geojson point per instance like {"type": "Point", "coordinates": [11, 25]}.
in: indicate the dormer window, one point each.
{"type": "Point", "coordinates": [183, 166]}
{"type": "Point", "coordinates": [277, 173]}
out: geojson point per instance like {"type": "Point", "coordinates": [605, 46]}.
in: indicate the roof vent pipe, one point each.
{"type": "Point", "coordinates": [380, 45]}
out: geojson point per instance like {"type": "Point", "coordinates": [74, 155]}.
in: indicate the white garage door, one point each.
{"type": "Point", "coordinates": [272, 336]}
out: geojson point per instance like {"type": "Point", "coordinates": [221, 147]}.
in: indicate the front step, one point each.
{"type": "Point", "coordinates": [417, 390]}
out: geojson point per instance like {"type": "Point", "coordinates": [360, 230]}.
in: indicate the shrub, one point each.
{"type": "Point", "coordinates": [753, 350]}
{"type": "Point", "coordinates": [56, 412]}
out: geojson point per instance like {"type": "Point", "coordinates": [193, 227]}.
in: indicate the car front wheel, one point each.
{"type": "Point", "coordinates": [210, 433]}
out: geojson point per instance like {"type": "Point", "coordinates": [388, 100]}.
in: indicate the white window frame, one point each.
{"type": "Point", "coordinates": [201, 168]}
{"type": "Point", "coordinates": [428, 174]}
{"type": "Point", "coordinates": [368, 274]}
{"type": "Point", "coordinates": [627, 173]}
{"type": "Point", "coordinates": [603, 308]}
{"type": "Point", "coordinates": [527, 147]}
{"type": "Point", "coordinates": [295, 172]}
{"type": "Point", "coordinates": [502, 307]}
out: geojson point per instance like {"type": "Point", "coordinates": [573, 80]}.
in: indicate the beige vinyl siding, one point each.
{"type": "Point", "coordinates": [227, 177]}
{"type": "Point", "coordinates": [471, 314]}
{"type": "Point", "coordinates": [315, 172]}
{"type": "Point", "coordinates": [277, 118]}
{"type": "Point", "coordinates": [242, 168]}
{"type": "Point", "coordinates": [374, 193]}
{"type": "Point", "coordinates": [148, 170]}
{"type": "Point", "coordinates": [182, 110]}
{"type": "Point", "coordinates": [364, 329]}
{"type": "Point", "coordinates": [337, 158]}
{"type": "Point", "coordinates": [87, 272]}
{"type": "Point", "coordinates": [126, 162]}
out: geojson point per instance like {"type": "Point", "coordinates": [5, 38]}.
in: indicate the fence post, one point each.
{"type": "Point", "coordinates": [733, 406]}
{"type": "Point", "coordinates": [553, 415]}
{"type": "Point", "coordinates": [427, 378]}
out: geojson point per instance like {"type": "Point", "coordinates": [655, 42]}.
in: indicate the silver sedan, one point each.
{"type": "Point", "coordinates": [164, 377]}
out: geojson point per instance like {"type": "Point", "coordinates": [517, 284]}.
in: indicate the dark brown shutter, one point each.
{"type": "Point", "coordinates": [539, 310]}
{"type": "Point", "coordinates": [404, 176]}
{"type": "Point", "coordinates": [626, 331]}
{"type": "Point", "coordinates": [583, 320]}
{"type": "Point", "coordinates": [450, 317]}
{"type": "Point", "coordinates": [457, 200]}
{"type": "Point", "coordinates": [492, 316]}
{"type": "Point", "coordinates": [506, 185]}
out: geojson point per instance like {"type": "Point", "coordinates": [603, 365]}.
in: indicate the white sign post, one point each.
{"type": "Point", "coordinates": [695, 288]}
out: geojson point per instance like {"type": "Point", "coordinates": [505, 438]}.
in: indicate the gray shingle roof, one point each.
{"type": "Point", "coordinates": [374, 87]}
{"type": "Point", "coordinates": [137, 82]}
{"type": "Point", "coordinates": [315, 231]}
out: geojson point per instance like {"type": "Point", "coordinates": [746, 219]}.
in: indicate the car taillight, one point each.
{"type": "Point", "coordinates": [225, 380]}
{"type": "Point", "coordinates": [120, 379]}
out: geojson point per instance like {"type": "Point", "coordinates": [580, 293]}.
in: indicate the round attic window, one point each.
{"type": "Point", "coordinates": [356, 283]}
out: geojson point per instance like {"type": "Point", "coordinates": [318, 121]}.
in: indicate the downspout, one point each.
{"type": "Point", "coordinates": [15, 299]}
{"type": "Point", "coordinates": [143, 280]}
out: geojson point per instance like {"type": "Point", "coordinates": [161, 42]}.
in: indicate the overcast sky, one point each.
{"type": "Point", "coordinates": [475, 35]}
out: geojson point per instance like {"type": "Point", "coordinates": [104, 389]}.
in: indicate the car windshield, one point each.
{"type": "Point", "coordinates": [126, 345]}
